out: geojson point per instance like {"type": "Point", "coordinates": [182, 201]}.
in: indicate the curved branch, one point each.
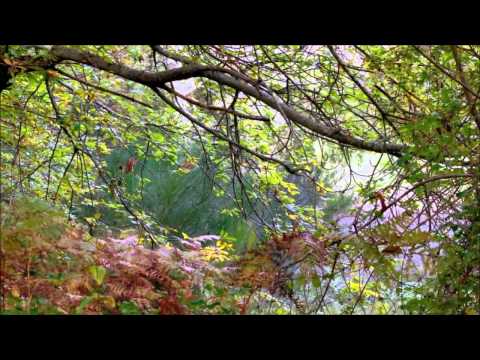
{"type": "Point", "coordinates": [217, 134]}
{"type": "Point", "coordinates": [217, 108]}
{"type": "Point", "coordinates": [229, 78]}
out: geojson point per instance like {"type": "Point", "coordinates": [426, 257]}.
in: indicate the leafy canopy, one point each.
{"type": "Point", "coordinates": [326, 179]}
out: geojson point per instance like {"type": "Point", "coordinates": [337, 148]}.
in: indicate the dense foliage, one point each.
{"type": "Point", "coordinates": [240, 179]}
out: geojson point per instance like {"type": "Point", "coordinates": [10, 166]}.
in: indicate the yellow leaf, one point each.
{"type": "Point", "coordinates": [109, 302]}
{"type": "Point", "coordinates": [15, 292]}
{"type": "Point", "coordinates": [103, 148]}
{"type": "Point", "coordinates": [293, 217]}
{"type": "Point", "coordinates": [367, 292]}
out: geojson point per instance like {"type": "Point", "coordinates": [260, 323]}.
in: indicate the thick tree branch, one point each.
{"type": "Point", "coordinates": [220, 109]}
{"type": "Point", "coordinates": [229, 78]}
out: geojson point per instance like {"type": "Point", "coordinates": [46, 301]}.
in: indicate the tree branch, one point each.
{"type": "Point", "coordinates": [229, 78]}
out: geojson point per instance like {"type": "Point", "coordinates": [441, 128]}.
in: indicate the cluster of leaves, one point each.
{"type": "Point", "coordinates": [249, 152]}
{"type": "Point", "coordinates": [50, 266]}
{"type": "Point", "coordinates": [455, 286]}
{"type": "Point", "coordinates": [279, 268]}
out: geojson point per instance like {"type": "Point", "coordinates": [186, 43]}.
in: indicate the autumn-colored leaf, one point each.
{"type": "Point", "coordinates": [392, 250]}
{"type": "Point", "coordinates": [53, 74]}
{"type": "Point", "coordinates": [130, 164]}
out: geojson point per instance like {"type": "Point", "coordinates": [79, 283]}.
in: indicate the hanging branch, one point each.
{"type": "Point", "coordinates": [225, 138]}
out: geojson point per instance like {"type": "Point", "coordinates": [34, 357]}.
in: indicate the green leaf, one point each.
{"type": "Point", "coordinates": [87, 300]}
{"type": "Point", "coordinates": [98, 273]}
{"type": "Point", "coordinates": [129, 308]}
{"type": "Point", "coordinates": [316, 281]}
